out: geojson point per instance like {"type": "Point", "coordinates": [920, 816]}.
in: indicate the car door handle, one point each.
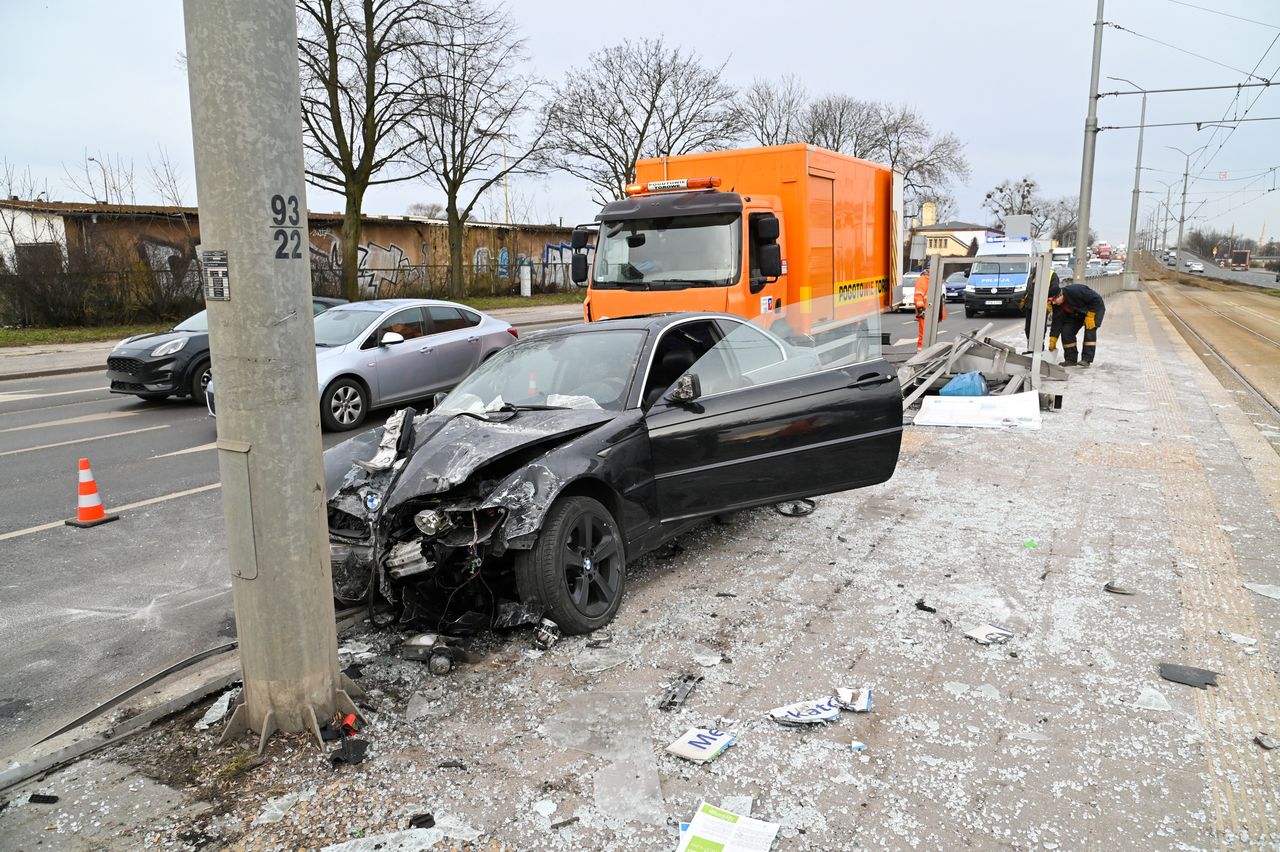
{"type": "Point", "coordinates": [473, 339]}
{"type": "Point", "coordinates": [867, 380]}
{"type": "Point", "coordinates": [426, 349]}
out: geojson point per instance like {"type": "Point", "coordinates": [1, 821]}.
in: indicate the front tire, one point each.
{"type": "Point", "coordinates": [576, 571]}
{"type": "Point", "coordinates": [968, 314]}
{"type": "Point", "coordinates": [200, 378]}
{"type": "Point", "coordinates": [343, 405]}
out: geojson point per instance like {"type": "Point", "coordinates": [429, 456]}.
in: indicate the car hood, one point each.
{"type": "Point", "coordinates": [449, 448]}
{"type": "Point", "coordinates": [146, 342]}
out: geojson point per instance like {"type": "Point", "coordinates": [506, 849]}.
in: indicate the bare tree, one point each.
{"type": "Point", "coordinates": [633, 100]}
{"type": "Point", "coordinates": [103, 180]}
{"type": "Point", "coordinates": [928, 162]}
{"type": "Point", "coordinates": [1062, 219]}
{"type": "Point", "coordinates": [1015, 198]}
{"type": "Point", "coordinates": [468, 140]}
{"type": "Point", "coordinates": [359, 92]}
{"type": "Point", "coordinates": [426, 209]}
{"type": "Point", "coordinates": [843, 123]}
{"type": "Point", "coordinates": [773, 112]}
{"type": "Point", "coordinates": [167, 181]}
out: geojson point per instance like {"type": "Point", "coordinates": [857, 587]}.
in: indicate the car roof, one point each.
{"type": "Point", "coordinates": [643, 322]}
{"type": "Point", "coordinates": [392, 304]}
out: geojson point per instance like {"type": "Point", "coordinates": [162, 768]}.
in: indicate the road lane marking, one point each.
{"type": "Point", "coordinates": [69, 421]}
{"type": "Point", "coordinates": [150, 501]}
{"type": "Point", "coordinates": [83, 440]}
{"type": "Point", "coordinates": [198, 449]}
{"type": "Point", "coordinates": [19, 396]}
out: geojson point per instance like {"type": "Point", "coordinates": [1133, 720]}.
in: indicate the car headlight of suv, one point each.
{"type": "Point", "coordinates": [169, 347]}
{"type": "Point", "coordinates": [969, 288]}
{"type": "Point", "coordinates": [1020, 288]}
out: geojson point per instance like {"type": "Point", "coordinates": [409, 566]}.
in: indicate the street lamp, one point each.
{"type": "Point", "coordinates": [1182, 215]}
{"type": "Point", "coordinates": [106, 195]}
{"type": "Point", "coordinates": [1137, 181]}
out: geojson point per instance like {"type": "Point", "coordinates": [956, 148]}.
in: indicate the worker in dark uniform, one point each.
{"type": "Point", "coordinates": [1026, 305]}
{"type": "Point", "coordinates": [1078, 306]}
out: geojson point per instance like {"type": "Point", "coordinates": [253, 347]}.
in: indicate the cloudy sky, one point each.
{"type": "Point", "coordinates": [1009, 77]}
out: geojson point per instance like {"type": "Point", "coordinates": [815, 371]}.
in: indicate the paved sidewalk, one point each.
{"type": "Point", "coordinates": [1152, 476]}
{"type": "Point", "coordinates": [25, 362]}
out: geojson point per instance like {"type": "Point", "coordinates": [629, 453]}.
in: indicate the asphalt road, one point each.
{"type": "Point", "coordinates": [1256, 278]}
{"type": "Point", "coordinates": [88, 613]}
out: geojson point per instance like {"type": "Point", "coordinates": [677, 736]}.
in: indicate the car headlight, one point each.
{"type": "Point", "coordinates": [170, 347]}
{"type": "Point", "coordinates": [969, 288]}
{"type": "Point", "coordinates": [1019, 288]}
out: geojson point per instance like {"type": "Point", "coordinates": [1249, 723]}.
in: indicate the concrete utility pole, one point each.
{"type": "Point", "coordinates": [1086, 162]}
{"type": "Point", "coordinates": [1130, 276]}
{"type": "Point", "coordinates": [242, 69]}
{"type": "Point", "coordinates": [1182, 214]}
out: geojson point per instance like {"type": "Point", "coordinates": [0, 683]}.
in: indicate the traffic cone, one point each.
{"type": "Point", "coordinates": [89, 511]}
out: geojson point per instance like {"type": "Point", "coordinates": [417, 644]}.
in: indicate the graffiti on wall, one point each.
{"type": "Point", "coordinates": [175, 259]}
{"type": "Point", "coordinates": [378, 264]}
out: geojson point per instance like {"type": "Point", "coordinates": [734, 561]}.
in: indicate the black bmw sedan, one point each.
{"type": "Point", "coordinates": [174, 362]}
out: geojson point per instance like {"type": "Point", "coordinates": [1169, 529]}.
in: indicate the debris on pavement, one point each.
{"type": "Point", "coordinates": [989, 634]}
{"type": "Point", "coordinates": [741, 805]}
{"type": "Point", "coordinates": [451, 764]}
{"type": "Point", "coordinates": [924, 607]}
{"type": "Point", "coordinates": [1152, 699]}
{"type": "Point", "coordinates": [702, 745]}
{"type": "Point", "coordinates": [857, 700]}
{"type": "Point", "coordinates": [857, 745]}
{"type": "Point", "coordinates": [410, 839]}
{"type": "Point", "coordinates": [714, 828]}
{"type": "Point", "coordinates": [42, 799]}
{"type": "Point", "coordinates": [1189, 675]}
{"type": "Point", "coordinates": [564, 823]}
{"type": "Point", "coordinates": [1240, 639]}
{"type": "Point", "coordinates": [1030, 544]}
{"type": "Point", "coordinates": [707, 657]}
{"type": "Point", "coordinates": [796, 508]}
{"type": "Point", "coordinates": [422, 821]}
{"type": "Point", "coordinates": [1264, 589]}
{"type": "Point", "coordinates": [678, 692]}
{"type": "Point", "coordinates": [591, 660]}
{"type": "Point", "coordinates": [1117, 589]}
{"type": "Point", "coordinates": [353, 671]}
{"type": "Point", "coordinates": [811, 712]}
{"type": "Point", "coordinates": [275, 809]}
{"type": "Point", "coordinates": [1015, 410]}
{"type": "Point", "coordinates": [1267, 741]}
{"type": "Point", "coordinates": [546, 808]}
{"type": "Point", "coordinates": [547, 635]}
{"type": "Point", "coordinates": [512, 614]}
{"type": "Point", "coordinates": [218, 710]}
{"type": "Point", "coordinates": [355, 652]}
{"type": "Point", "coordinates": [351, 751]}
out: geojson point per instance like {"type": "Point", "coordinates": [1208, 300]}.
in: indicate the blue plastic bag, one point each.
{"type": "Point", "coordinates": [966, 384]}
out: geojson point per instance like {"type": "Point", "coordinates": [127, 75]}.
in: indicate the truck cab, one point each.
{"type": "Point", "coordinates": [687, 246]}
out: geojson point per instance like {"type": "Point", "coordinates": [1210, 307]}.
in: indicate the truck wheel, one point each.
{"type": "Point", "coordinates": [968, 312]}
{"type": "Point", "coordinates": [576, 570]}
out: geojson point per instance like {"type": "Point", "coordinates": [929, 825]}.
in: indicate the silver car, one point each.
{"type": "Point", "coordinates": [392, 351]}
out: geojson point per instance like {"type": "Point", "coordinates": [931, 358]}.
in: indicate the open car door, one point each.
{"type": "Point", "coordinates": [770, 416]}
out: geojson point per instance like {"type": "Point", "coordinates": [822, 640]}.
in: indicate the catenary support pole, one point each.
{"type": "Point", "coordinates": [933, 300]}
{"type": "Point", "coordinates": [1130, 272]}
{"type": "Point", "coordinates": [1086, 161]}
{"type": "Point", "coordinates": [1043, 265]}
{"type": "Point", "coordinates": [242, 70]}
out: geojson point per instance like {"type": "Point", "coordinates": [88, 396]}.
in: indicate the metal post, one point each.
{"type": "Point", "coordinates": [242, 70]}
{"type": "Point", "coordinates": [937, 291]}
{"type": "Point", "coordinates": [1086, 163]}
{"type": "Point", "coordinates": [1130, 277]}
{"type": "Point", "coordinates": [1182, 215]}
{"type": "Point", "coordinates": [1039, 308]}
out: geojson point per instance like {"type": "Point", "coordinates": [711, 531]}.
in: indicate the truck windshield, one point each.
{"type": "Point", "coordinates": [671, 252]}
{"type": "Point", "coordinates": [993, 268]}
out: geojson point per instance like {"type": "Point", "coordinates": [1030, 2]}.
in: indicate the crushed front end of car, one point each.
{"type": "Point", "coordinates": [424, 512]}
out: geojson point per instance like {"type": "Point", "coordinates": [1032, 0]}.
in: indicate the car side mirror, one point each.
{"type": "Point", "coordinates": [390, 338]}
{"type": "Point", "coordinates": [579, 239]}
{"type": "Point", "coordinates": [686, 389]}
{"type": "Point", "coordinates": [767, 228]}
{"type": "Point", "coordinates": [770, 258]}
{"type": "Point", "coordinates": [578, 269]}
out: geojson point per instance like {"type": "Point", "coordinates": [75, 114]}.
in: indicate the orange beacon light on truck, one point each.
{"type": "Point", "coordinates": [678, 184]}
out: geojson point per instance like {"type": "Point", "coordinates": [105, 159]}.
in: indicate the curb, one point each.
{"type": "Point", "coordinates": [62, 371]}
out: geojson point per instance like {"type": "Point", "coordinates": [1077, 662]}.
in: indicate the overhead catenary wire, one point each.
{"type": "Point", "coordinates": [1232, 105]}
{"type": "Point", "coordinates": [1123, 29]}
{"type": "Point", "coordinates": [1224, 14]}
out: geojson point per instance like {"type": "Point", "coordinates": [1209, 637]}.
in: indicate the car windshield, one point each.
{"type": "Point", "coordinates": [670, 252]}
{"type": "Point", "coordinates": [584, 370]}
{"type": "Point", "coordinates": [196, 322]}
{"type": "Point", "coordinates": [338, 328]}
{"type": "Point", "coordinates": [993, 268]}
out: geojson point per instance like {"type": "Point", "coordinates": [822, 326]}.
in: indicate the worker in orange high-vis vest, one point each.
{"type": "Point", "coordinates": [921, 300]}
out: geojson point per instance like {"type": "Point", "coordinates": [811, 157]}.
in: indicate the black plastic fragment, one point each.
{"type": "Point", "coordinates": [796, 508]}
{"type": "Point", "coordinates": [1117, 589]}
{"type": "Point", "coordinates": [42, 799]}
{"type": "Point", "coordinates": [353, 671]}
{"type": "Point", "coordinates": [924, 607]}
{"type": "Point", "coordinates": [422, 821]}
{"type": "Point", "coordinates": [451, 764]}
{"type": "Point", "coordinates": [330, 732]}
{"type": "Point", "coordinates": [351, 752]}
{"type": "Point", "coordinates": [679, 690]}
{"type": "Point", "coordinates": [1189, 675]}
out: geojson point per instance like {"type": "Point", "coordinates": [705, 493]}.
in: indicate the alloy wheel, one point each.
{"type": "Point", "coordinates": [346, 405]}
{"type": "Point", "coordinates": [591, 563]}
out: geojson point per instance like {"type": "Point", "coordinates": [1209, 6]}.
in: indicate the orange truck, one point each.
{"type": "Point", "coordinates": [749, 232]}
